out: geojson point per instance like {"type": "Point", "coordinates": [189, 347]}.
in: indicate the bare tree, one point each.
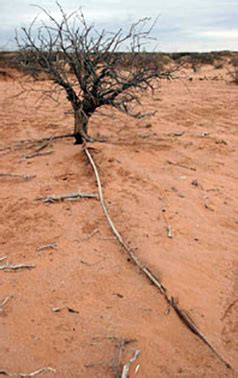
{"type": "Point", "coordinates": [89, 65]}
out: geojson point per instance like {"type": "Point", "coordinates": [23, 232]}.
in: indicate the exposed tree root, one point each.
{"type": "Point", "coordinates": [30, 143]}
{"type": "Point", "coordinates": [36, 154]}
{"type": "Point", "coordinates": [183, 316]}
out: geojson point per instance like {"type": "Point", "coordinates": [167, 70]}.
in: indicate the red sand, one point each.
{"type": "Point", "coordinates": [177, 168]}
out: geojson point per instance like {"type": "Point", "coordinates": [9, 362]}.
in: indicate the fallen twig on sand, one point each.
{"type": "Point", "coordinates": [181, 165]}
{"type": "Point", "coordinates": [35, 154]}
{"type": "Point", "coordinates": [33, 374]}
{"type": "Point", "coordinates": [149, 275]}
{"type": "Point", "coordinates": [177, 134]}
{"type": "Point", "coordinates": [231, 305]}
{"type": "Point", "coordinates": [116, 362]}
{"type": "Point", "coordinates": [117, 358]}
{"type": "Point", "coordinates": [168, 226]}
{"type": "Point", "coordinates": [9, 267]}
{"type": "Point", "coordinates": [3, 303]}
{"type": "Point", "coordinates": [66, 197]}
{"type": "Point", "coordinates": [72, 310]}
{"type": "Point", "coordinates": [3, 258]}
{"type": "Point", "coordinates": [94, 232]}
{"type": "Point", "coordinates": [24, 177]}
{"type": "Point", "coordinates": [47, 246]}
{"type": "Point", "coordinates": [126, 367]}
{"type": "Point", "coordinates": [169, 231]}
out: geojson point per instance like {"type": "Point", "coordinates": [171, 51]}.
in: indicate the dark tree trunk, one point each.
{"type": "Point", "coordinates": [81, 126]}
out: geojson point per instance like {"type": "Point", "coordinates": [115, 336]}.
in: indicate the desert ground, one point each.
{"type": "Point", "coordinates": [170, 183]}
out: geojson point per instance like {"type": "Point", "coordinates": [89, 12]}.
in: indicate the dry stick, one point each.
{"type": "Point", "coordinates": [117, 359]}
{"type": "Point", "coordinates": [3, 303]}
{"type": "Point", "coordinates": [66, 197]}
{"type": "Point", "coordinates": [35, 154]}
{"type": "Point", "coordinates": [181, 165]}
{"type": "Point", "coordinates": [168, 226]}
{"type": "Point", "coordinates": [33, 374]}
{"type": "Point", "coordinates": [150, 276]}
{"type": "Point", "coordinates": [231, 305]}
{"type": "Point", "coordinates": [3, 258]}
{"type": "Point", "coordinates": [24, 177]}
{"type": "Point", "coordinates": [94, 232]}
{"type": "Point", "coordinates": [126, 367]}
{"type": "Point", "coordinates": [16, 267]}
{"type": "Point", "coordinates": [47, 246]}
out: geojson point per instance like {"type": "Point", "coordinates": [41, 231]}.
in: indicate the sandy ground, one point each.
{"type": "Point", "coordinates": [84, 298]}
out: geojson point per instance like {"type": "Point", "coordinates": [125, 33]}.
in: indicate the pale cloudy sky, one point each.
{"type": "Point", "coordinates": [184, 25]}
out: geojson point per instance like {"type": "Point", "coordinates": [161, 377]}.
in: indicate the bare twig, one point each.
{"type": "Point", "coordinates": [148, 274]}
{"type": "Point", "coordinates": [9, 267]}
{"type": "Point", "coordinates": [27, 375]}
{"type": "Point", "coordinates": [168, 226]}
{"type": "Point", "coordinates": [47, 246]}
{"type": "Point", "coordinates": [169, 231]}
{"type": "Point", "coordinates": [181, 165]}
{"type": "Point", "coordinates": [66, 197]}
{"type": "Point", "coordinates": [231, 305]}
{"type": "Point", "coordinates": [94, 232]}
{"type": "Point", "coordinates": [3, 303]}
{"type": "Point", "coordinates": [117, 358]}
{"type": "Point", "coordinates": [24, 177]}
{"type": "Point", "coordinates": [126, 367]}
{"type": "Point", "coordinates": [3, 258]}
{"type": "Point", "coordinates": [35, 154]}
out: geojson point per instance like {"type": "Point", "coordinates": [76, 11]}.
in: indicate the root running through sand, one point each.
{"type": "Point", "coordinates": [147, 273]}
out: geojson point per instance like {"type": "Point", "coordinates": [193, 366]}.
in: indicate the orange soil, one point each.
{"type": "Point", "coordinates": [178, 168]}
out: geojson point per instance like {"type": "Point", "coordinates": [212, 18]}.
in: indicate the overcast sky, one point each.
{"type": "Point", "coordinates": [183, 25]}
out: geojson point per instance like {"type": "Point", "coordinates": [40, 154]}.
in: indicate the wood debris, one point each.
{"type": "Point", "coordinates": [126, 367]}
{"type": "Point", "coordinates": [70, 309]}
{"type": "Point", "coordinates": [56, 309]}
{"type": "Point", "coordinates": [66, 197]}
{"type": "Point", "coordinates": [35, 154]}
{"type": "Point", "coordinates": [3, 303]}
{"type": "Point", "coordinates": [137, 369]}
{"type": "Point", "coordinates": [24, 177]}
{"type": "Point", "coordinates": [181, 165]}
{"type": "Point", "coordinates": [169, 231]}
{"type": "Point", "coordinates": [9, 267]}
{"type": "Point", "coordinates": [94, 232]}
{"type": "Point", "coordinates": [47, 246]}
{"type": "Point", "coordinates": [27, 375]}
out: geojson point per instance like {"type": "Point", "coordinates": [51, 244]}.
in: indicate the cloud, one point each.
{"type": "Point", "coordinates": [224, 34]}
{"type": "Point", "coordinates": [184, 24]}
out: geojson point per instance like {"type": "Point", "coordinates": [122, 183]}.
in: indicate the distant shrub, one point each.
{"type": "Point", "coordinates": [234, 76]}
{"type": "Point", "coordinates": [234, 61]}
{"type": "Point", "coordinates": [218, 64]}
